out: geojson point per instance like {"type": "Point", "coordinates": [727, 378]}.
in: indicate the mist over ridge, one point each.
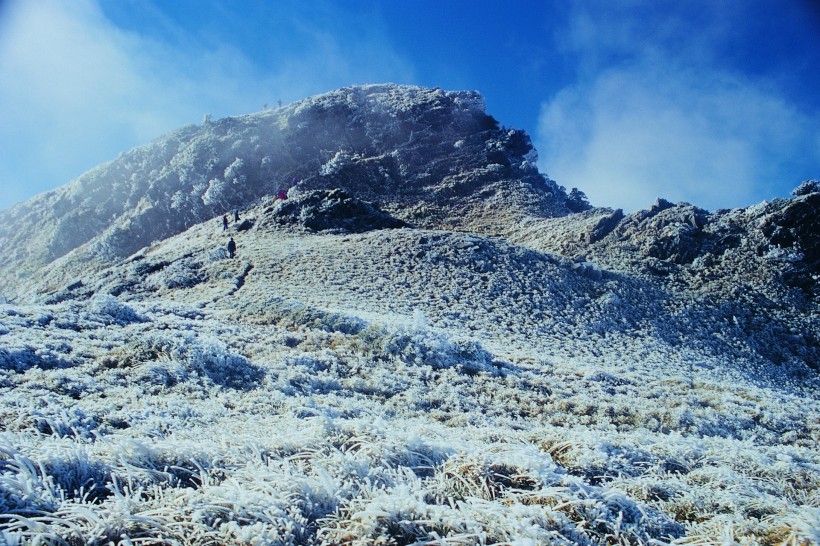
{"type": "Point", "coordinates": [405, 146]}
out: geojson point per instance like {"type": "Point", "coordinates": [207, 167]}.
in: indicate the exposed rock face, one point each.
{"type": "Point", "coordinates": [795, 229]}
{"type": "Point", "coordinates": [333, 211]}
{"type": "Point", "coordinates": [772, 247]}
{"type": "Point", "coordinates": [431, 157]}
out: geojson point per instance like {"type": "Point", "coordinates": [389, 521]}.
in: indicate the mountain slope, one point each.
{"type": "Point", "coordinates": [427, 342]}
{"type": "Point", "coordinates": [331, 386]}
{"type": "Point", "coordinates": [431, 157]}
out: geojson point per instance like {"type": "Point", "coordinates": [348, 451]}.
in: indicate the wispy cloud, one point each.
{"type": "Point", "coordinates": [77, 89]}
{"type": "Point", "coordinates": [652, 114]}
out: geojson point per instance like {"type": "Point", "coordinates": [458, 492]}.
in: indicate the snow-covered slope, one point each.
{"type": "Point", "coordinates": [757, 268]}
{"type": "Point", "coordinates": [431, 157]}
{"type": "Point", "coordinates": [453, 359]}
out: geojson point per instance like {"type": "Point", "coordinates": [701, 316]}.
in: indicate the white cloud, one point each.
{"type": "Point", "coordinates": [77, 90]}
{"type": "Point", "coordinates": [646, 121]}
{"type": "Point", "coordinates": [632, 135]}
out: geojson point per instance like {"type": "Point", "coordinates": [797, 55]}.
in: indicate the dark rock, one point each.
{"type": "Point", "coordinates": [660, 205]}
{"type": "Point", "coordinates": [333, 210]}
{"type": "Point", "coordinates": [797, 226]}
{"type": "Point", "coordinates": [245, 225]}
{"type": "Point", "coordinates": [605, 225]}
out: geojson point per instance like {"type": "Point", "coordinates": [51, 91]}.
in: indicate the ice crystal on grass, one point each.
{"type": "Point", "coordinates": [109, 310]}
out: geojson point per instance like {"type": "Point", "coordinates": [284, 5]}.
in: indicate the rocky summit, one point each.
{"type": "Point", "coordinates": [430, 157]}
{"type": "Point", "coordinates": [416, 337]}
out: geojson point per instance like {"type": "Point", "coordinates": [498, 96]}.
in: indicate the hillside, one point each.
{"type": "Point", "coordinates": [431, 157]}
{"type": "Point", "coordinates": [427, 342]}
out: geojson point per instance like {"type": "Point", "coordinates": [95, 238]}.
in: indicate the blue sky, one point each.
{"type": "Point", "coordinates": [711, 102]}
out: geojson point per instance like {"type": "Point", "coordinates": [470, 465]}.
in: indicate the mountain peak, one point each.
{"type": "Point", "coordinates": [428, 156]}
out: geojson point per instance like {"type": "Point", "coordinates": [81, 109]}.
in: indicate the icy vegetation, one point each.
{"type": "Point", "coordinates": [412, 149]}
{"type": "Point", "coordinates": [455, 352]}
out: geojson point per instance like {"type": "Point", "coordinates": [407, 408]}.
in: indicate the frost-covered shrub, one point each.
{"type": "Point", "coordinates": [22, 358]}
{"type": "Point", "coordinates": [166, 308]}
{"type": "Point", "coordinates": [168, 359]}
{"type": "Point", "coordinates": [216, 192]}
{"type": "Point", "coordinates": [397, 516]}
{"type": "Point", "coordinates": [339, 161]}
{"type": "Point", "coordinates": [182, 274]}
{"type": "Point", "coordinates": [806, 188]}
{"type": "Point", "coordinates": [71, 422]}
{"type": "Point", "coordinates": [322, 320]}
{"type": "Point", "coordinates": [224, 367]}
{"type": "Point", "coordinates": [465, 476]}
{"type": "Point", "coordinates": [217, 254]}
{"type": "Point", "coordinates": [233, 173]}
{"type": "Point", "coordinates": [508, 494]}
{"type": "Point", "coordinates": [577, 201]}
{"type": "Point", "coordinates": [293, 315]}
{"type": "Point", "coordinates": [178, 200]}
{"type": "Point", "coordinates": [109, 310]}
{"type": "Point", "coordinates": [426, 347]}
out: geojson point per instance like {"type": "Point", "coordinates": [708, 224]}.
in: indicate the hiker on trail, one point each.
{"type": "Point", "coordinates": [283, 194]}
{"type": "Point", "coordinates": [236, 216]}
{"type": "Point", "coordinates": [224, 223]}
{"type": "Point", "coordinates": [231, 248]}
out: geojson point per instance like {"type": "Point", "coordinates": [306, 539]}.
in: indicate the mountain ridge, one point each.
{"type": "Point", "coordinates": [402, 145]}
{"type": "Point", "coordinates": [430, 160]}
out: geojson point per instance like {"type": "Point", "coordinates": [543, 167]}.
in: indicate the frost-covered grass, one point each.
{"type": "Point", "coordinates": [450, 382]}
{"type": "Point", "coordinates": [395, 387]}
{"type": "Point", "coordinates": [156, 422]}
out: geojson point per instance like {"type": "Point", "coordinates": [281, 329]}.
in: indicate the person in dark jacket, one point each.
{"type": "Point", "coordinates": [224, 223]}
{"type": "Point", "coordinates": [236, 216]}
{"type": "Point", "coordinates": [231, 248]}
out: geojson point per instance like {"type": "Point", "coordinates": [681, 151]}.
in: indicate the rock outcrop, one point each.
{"type": "Point", "coordinates": [335, 211]}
